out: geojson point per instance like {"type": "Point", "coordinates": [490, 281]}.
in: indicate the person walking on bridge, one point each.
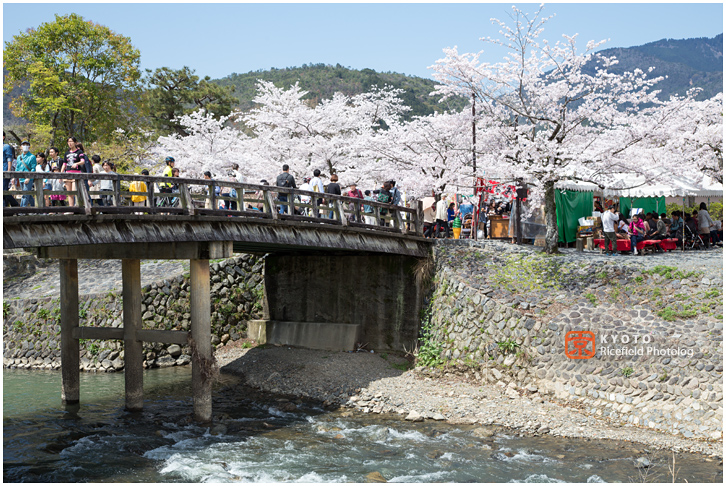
{"type": "Point", "coordinates": [317, 186]}
{"type": "Point", "coordinates": [285, 179]}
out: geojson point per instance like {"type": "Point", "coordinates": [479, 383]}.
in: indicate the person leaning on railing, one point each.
{"type": "Point", "coordinates": [26, 162]}
{"type": "Point", "coordinates": [57, 185]}
{"type": "Point", "coordinates": [139, 186]}
{"type": "Point", "coordinates": [107, 185]}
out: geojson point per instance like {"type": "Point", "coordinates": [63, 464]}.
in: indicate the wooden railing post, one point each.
{"type": "Point", "coordinates": [116, 192]}
{"type": "Point", "coordinates": [270, 204]}
{"type": "Point", "coordinates": [341, 212]}
{"type": "Point", "coordinates": [186, 197]}
{"type": "Point", "coordinates": [399, 220]}
{"type": "Point", "coordinates": [212, 196]}
{"type": "Point", "coordinates": [356, 208]}
{"type": "Point", "coordinates": [39, 201]}
{"type": "Point", "coordinates": [316, 211]}
{"type": "Point", "coordinates": [240, 199]}
{"type": "Point", "coordinates": [150, 197]}
{"type": "Point", "coordinates": [419, 217]}
{"type": "Point", "coordinates": [83, 199]}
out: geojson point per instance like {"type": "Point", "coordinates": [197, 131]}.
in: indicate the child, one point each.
{"type": "Point", "coordinates": [58, 185]}
{"type": "Point", "coordinates": [139, 186]}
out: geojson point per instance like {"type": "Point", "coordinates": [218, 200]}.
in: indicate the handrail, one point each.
{"type": "Point", "coordinates": [190, 194]}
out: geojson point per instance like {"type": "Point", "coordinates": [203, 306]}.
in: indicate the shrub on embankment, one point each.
{"type": "Point", "coordinates": [31, 327]}
{"type": "Point", "coordinates": [500, 315]}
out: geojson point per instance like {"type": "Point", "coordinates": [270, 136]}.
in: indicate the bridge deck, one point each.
{"type": "Point", "coordinates": [274, 226]}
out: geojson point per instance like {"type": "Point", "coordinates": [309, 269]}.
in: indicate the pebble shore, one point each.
{"type": "Point", "coordinates": [370, 383]}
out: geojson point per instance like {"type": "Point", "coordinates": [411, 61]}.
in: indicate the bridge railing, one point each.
{"type": "Point", "coordinates": [204, 197]}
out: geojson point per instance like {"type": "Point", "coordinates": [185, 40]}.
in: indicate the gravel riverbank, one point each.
{"type": "Point", "coordinates": [371, 383]}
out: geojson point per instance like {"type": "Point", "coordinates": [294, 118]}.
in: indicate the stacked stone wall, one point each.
{"type": "Point", "coordinates": [31, 327]}
{"type": "Point", "coordinates": [517, 339]}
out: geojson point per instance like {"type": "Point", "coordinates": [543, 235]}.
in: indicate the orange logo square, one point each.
{"type": "Point", "coordinates": [580, 344]}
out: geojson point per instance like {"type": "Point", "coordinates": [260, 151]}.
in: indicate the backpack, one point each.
{"type": "Point", "coordinates": [384, 197]}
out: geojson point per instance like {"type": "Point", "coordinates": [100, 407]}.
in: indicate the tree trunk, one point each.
{"type": "Point", "coordinates": [550, 219]}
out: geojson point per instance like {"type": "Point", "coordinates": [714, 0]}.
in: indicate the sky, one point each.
{"type": "Point", "coordinates": [219, 39]}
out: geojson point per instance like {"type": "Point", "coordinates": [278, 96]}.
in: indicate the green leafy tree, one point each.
{"type": "Point", "coordinates": [82, 78]}
{"type": "Point", "coordinates": [172, 93]}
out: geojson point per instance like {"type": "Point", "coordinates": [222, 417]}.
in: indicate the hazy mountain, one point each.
{"type": "Point", "coordinates": [687, 63]}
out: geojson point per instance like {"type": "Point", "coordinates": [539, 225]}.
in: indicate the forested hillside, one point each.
{"type": "Point", "coordinates": [687, 63]}
{"type": "Point", "coordinates": [321, 81]}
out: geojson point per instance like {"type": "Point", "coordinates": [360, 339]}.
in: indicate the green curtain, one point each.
{"type": "Point", "coordinates": [648, 204]}
{"type": "Point", "coordinates": [571, 206]}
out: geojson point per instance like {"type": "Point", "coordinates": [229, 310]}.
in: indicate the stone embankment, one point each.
{"type": "Point", "coordinates": [31, 309]}
{"type": "Point", "coordinates": [502, 314]}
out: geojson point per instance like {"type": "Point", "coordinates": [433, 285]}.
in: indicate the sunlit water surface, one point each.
{"type": "Point", "coordinates": [255, 440]}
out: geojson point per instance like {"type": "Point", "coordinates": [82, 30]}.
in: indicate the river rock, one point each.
{"type": "Point", "coordinates": [642, 463]}
{"type": "Point", "coordinates": [174, 350]}
{"type": "Point", "coordinates": [165, 362]}
{"type": "Point", "coordinates": [375, 477]}
{"type": "Point", "coordinates": [414, 416]}
{"type": "Point", "coordinates": [483, 432]}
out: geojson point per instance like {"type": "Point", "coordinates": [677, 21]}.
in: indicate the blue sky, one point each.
{"type": "Point", "coordinates": [223, 38]}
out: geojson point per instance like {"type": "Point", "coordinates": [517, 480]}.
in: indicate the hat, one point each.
{"type": "Point", "coordinates": [25, 142]}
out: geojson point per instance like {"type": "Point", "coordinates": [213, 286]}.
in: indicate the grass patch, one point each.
{"type": "Point", "coordinates": [671, 273]}
{"type": "Point", "coordinates": [591, 297]}
{"type": "Point", "coordinates": [671, 314]}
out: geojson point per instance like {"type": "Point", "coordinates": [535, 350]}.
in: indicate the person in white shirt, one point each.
{"type": "Point", "coordinates": [441, 217]}
{"type": "Point", "coordinates": [609, 220]}
{"type": "Point", "coordinates": [306, 186]}
{"type": "Point", "coordinates": [317, 186]}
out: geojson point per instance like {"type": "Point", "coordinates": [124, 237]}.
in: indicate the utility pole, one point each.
{"type": "Point", "coordinates": [475, 216]}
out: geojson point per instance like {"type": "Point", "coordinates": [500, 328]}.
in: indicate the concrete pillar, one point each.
{"type": "Point", "coordinates": [133, 349]}
{"type": "Point", "coordinates": [201, 333]}
{"type": "Point", "coordinates": [70, 353]}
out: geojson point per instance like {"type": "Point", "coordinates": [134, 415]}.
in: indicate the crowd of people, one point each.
{"type": "Point", "coordinates": [654, 226]}
{"type": "Point", "coordinates": [649, 226]}
{"type": "Point", "coordinates": [446, 212]}
{"type": "Point", "coordinates": [73, 161]}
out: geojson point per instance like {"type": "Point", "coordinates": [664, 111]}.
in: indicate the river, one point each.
{"type": "Point", "coordinates": [255, 439]}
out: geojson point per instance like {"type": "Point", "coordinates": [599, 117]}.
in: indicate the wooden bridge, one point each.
{"type": "Point", "coordinates": [187, 223]}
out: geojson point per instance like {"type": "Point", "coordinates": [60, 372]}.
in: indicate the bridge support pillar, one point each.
{"type": "Point", "coordinates": [133, 348]}
{"type": "Point", "coordinates": [201, 337]}
{"type": "Point", "coordinates": [70, 352]}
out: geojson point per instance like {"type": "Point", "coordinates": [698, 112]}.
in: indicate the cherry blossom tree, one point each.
{"type": "Point", "coordinates": [546, 116]}
{"type": "Point", "coordinates": [330, 136]}
{"type": "Point", "coordinates": [697, 136]}
{"type": "Point", "coordinates": [211, 145]}
{"type": "Point", "coordinates": [427, 153]}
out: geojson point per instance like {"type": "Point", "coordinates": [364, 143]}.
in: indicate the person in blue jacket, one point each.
{"type": "Point", "coordinates": [26, 163]}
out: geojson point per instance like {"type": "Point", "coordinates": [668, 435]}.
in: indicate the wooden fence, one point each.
{"type": "Point", "coordinates": [198, 197]}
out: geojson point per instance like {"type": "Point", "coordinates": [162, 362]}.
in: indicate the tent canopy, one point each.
{"type": "Point", "coordinates": [636, 186]}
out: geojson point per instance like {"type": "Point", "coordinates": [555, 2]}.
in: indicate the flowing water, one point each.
{"type": "Point", "coordinates": [262, 438]}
